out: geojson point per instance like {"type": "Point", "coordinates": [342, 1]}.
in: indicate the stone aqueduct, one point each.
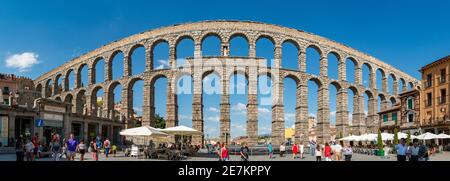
{"type": "Point", "coordinates": [225, 31]}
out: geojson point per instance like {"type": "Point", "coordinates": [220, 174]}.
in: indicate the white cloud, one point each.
{"type": "Point", "coordinates": [23, 61]}
{"type": "Point", "coordinates": [213, 109]}
{"type": "Point", "coordinates": [289, 116]}
{"type": "Point", "coordinates": [333, 113]}
{"type": "Point", "coordinates": [213, 118]}
{"type": "Point", "coordinates": [159, 67]}
{"type": "Point", "coordinates": [184, 117]}
{"type": "Point", "coordinates": [239, 108]}
{"type": "Point", "coordinates": [263, 110]}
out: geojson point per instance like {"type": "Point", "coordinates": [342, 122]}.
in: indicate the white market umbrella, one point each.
{"type": "Point", "coordinates": [181, 130]}
{"type": "Point", "coordinates": [369, 137]}
{"type": "Point", "coordinates": [427, 136]}
{"type": "Point", "coordinates": [386, 136]}
{"type": "Point", "coordinates": [351, 138]}
{"type": "Point", "coordinates": [143, 131]}
{"type": "Point", "coordinates": [443, 136]}
{"type": "Point", "coordinates": [404, 136]}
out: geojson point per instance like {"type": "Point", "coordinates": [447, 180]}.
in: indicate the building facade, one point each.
{"type": "Point", "coordinates": [434, 108]}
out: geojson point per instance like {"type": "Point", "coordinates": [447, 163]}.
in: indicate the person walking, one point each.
{"type": "Point", "coordinates": [56, 147]}
{"type": "Point", "coordinates": [294, 151]}
{"type": "Point", "coordinates": [327, 152]}
{"type": "Point", "coordinates": [20, 147]}
{"type": "Point", "coordinates": [107, 146]}
{"type": "Point", "coordinates": [35, 141]}
{"type": "Point", "coordinates": [94, 149]}
{"type": "Point", "coordinates": [244, 152]}
{"type": "Point", "coordinates": [337, 151]}
{"type": "Point", "coordinates": [282, 149]}
{"type": "Point", "coordinates": [401, 150]}
{"type": "Point", "coordinates": [423, 152]}
{"type": "Point", "coordinates": [409, 151]}
{"type": "Point", "coordinates": [302, 150]}
{"type": "Point", "coordinates": [71, 146]}
{"type": "Point", "coordinates": [312, 147]}
{"type": "Point", "coordinates": [414, 152]}
{"type": "Point", "coordinates": [318, 153]}
{"type": "Point", "coordinates": [224, 152]}
{"type": "Point", "coordinates": [270, 149]}
{"type": "Point", "coordinates": [81, 149]}
{"type": "Point", "coordinates": [348, 152]}
{"type": "Point", "coordinates": [219, 150]}
{"type": "Point", "coordinates": [29, 148]}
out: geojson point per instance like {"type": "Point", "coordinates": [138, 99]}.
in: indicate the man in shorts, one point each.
{"type": "Point", "coordinates": [71, 147]}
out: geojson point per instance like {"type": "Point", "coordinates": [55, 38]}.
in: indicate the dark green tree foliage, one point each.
{"type": "Point", "coordinates": [380, 141]}
{"type": "Point", "coordinates": [160, 122]}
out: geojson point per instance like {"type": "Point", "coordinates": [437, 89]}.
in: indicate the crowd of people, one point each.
{"type": "Point", "coordinates": [31, 149]}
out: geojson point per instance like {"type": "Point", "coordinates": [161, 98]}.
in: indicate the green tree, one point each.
{"type": "Point", "coordinates": [160, 122]}
{"type": "Point", "coordinates": [408, 138]}
{"type": "Point", "coordinates": [395, 136]}
{"type": "Point", "coordinates": [380, 140]}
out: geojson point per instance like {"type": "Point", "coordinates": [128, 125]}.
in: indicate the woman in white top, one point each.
{"type": "Point", "coordinates": [81, 149]}
{"type": "Point", "coordinates": [301, 150]}
{"type": "Point", "coordinates": [318, 153]}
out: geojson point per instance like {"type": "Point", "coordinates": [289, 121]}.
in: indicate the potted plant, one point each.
{"type": "Point", "coordinates": [380, 144]}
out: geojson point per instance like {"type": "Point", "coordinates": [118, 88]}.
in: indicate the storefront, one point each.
{"type": "Point", "coordinates": [77, 130]}
{"type": "Point", "coordinates": [24, 127]}
{"type": "Point", "coordinates": [4, 130]}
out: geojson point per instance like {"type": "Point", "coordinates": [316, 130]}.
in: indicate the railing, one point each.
{"type": "Point", "coordinates": [442, 99]}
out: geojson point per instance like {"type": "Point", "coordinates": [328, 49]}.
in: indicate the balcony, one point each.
{"type": "Point", "coordinates": [428, 83]}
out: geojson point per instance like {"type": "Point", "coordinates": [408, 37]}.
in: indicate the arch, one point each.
{"type": "Point", "coordinates": [68, 98]}
{"type": "Point", "coordinates": [58, 98]}
{"type": "Point", "coordinates": [381, 75]}
{"type": "Point", "coordinates": [49, 88]}
{"type": "Point", "coordinates": [211, 49]}
{"type": "Point", "coordinates": [293, 77]}
{"type": "Point", "coordinates": [184, 91]}
{"type": "Point", "coordinates": [159, 53]}
{"type": "Point", "coordinates": [237, 41]}
{"type": "Point", "coordinates": [401, 85]}
{"type": "Point", "coordinates": [82, 75]}
{"type": "Point", "coordinates": [81, 104]}
{"type": "Point", "coordinates": [393, 101]}
{"type": "Point", "coordinates": [238, 98]}
{"type": "Point", "coordinates": [58, 84]}
{"type": "Point", "coordinates": [184, 48]}
{"type": "Point", "coordinates": [39, 89]}
{"type": "Point", "coordinates": [265, 46]}
{"type": "Point", "coordinates": [137, 56]}
{"type": "Point", "coordinates": [69, 80]}
{"type": "Point", "coordinates": [354, 90]}
{"type": "Point", "coordinates": [333, 65]}
{"type": "Point", "coordinates": [289, 56]}
{"type": "Point", "coordinates": [98, 70]}
{"type": "Point", "coordinates": [313, 59]}
{"type": "Point", "coordinates": [410, 86]}
{"type": "Point", "coordinates": [367, 72]}
{"type": "Point", "coordinates": [392, 79]}
{"type": "Point", "coordinates": [116, 65]}
{"type": "Point", "coordinates": [316, 80]}
{"type": "Point", "coordinates": [336, 85]}
{"type": "Point", "coordinates": [351, 68]}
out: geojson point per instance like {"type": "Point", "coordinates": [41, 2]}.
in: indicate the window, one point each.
{"type": "Point", "coordinates": [6, 101]}
{"type": "Point", "coordinates": [385, 117]}
{"type": "Point", "coordinates": [429, 99]}
{"type": "Point", "coordinates": [410, 117]}
{"type": "Point", "coordinates": [394, 116]}
{"type": "Point", "coordinates": [5, 90]}
{"type": "Point", "coordinates": [442, 98]}
{"type": "Point", "coordinates": [443, 75]}
{"type": "Point", "coordinates": [410, 103]}
{"type": "Point", "coordinates": [429, 80]}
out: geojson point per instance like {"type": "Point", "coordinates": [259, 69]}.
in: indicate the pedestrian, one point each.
{"type": "Point", "coordinates": [81, 149]}
{"type": "Point", "coordinates": [107, 146]}
{"type": "Point", "coordinates": [401, 150]}
{"type": "Point", "coordinates": [114, 149]}
{"type": "Point", "coordinates": [71, 146]}
{"type": "Point", "coordinates": [29, 147]}
{"type": "Point", "coordinates": [56, 147]}
{"type": "Point", "coordinates": [337, 151]}
{"type": "Point", "coordinates": [224, 151]}
{"type": "Point", "coordinates": [408, 151]}
{"type": "Point", "coordinates": [219, 150]}
{"type": "Point", "coordinates": [327, 152]}
{"type": "Point", "coordinates": [414, 152]}
{"type": "Point", "coordinates": [244, 152]}
{"type": "Point", "coordinates": [294, 151]}
{"type": "Point", "coordinates": [282, 149]}
{"type": "Point", "coordinates": [318, 153]}
{"type": "Point", "coordinates": [312, 147]}
{"type": "Point", "coordinates": [270, 149]}
{"type": "Point", "coordinates": [94, 149]}
{"type": "Point", "coordinates": [35, 141]}
{"type": "Point", "coordinates": [64, 148]}
{"type": "Point", "coordinates": [348, 152]}
{"type": "Point", "coordinates": [302, 150]}
{"type": "Point", "coordinates": [20, 149]}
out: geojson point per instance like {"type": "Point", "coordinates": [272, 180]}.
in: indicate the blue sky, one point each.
{"type": "Point", "coordinates": [405, 34]}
